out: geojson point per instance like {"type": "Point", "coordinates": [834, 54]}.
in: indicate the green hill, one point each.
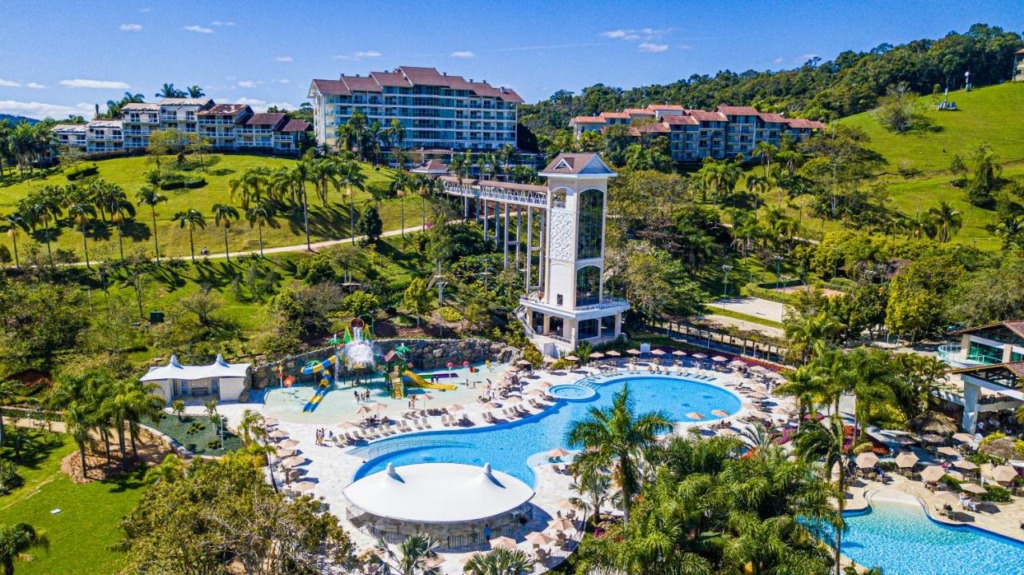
{"type": "Point", "coordinates": [993, 115]}
{"type": "Point", "coordinates": [326, 222]}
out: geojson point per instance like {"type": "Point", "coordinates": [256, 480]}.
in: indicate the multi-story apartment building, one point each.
{"type": "Point", "coordinates": [436, 111]}
{"type": "Point", "coordinates": [1018, 66]}
{"type": "Point", "coordinates": [224, 126]}
{"type": "Point", "coordinates": [697, 134]}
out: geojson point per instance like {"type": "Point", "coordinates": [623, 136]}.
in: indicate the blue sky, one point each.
{"type": "Point", "coordinates": [62, 56]}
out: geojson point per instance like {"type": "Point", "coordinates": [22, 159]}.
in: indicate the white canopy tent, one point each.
{"type": "Point", "coordinates": [221, 379]}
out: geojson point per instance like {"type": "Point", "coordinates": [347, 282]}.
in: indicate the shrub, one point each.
{"type": "Point", "coordinates": [213, 444]}
{"type": "Point", "coordinates": [450, 314]}
{"type": "Point", "coordinates": [991, 437]}
{"type": "Point", "coordinates": [9, 478]}
{"type": "Point", "coordinates": [315, 269]}
{"type": "Point", "coordinates": [996, 494]}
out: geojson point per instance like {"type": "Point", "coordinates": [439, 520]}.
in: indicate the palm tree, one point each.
{"type": "Point", "coordinates": [262, 214]}
{"type": "Point", "coordinates": [223, 214]}
{"type": "Point", "coordinates": [411, 558]}
{"type": "Point", "coordinates": [500, 561]}
{"type": "Point", "coordinates": [823, 442]}
{"type": "Point", "coordinates": [615, 438]}
{"type": "Point", "coordinates": [810, 336]}
{"type": "Point", "coordinates": [12, 224]}
{"type": "Point", "coordinates": [120, 211]}
{"type": "Point", "coordinates": [9, 389]}
{"type": "Point", "coordinates": [192, 218]}
{"type": "Point", "coordinates": [947, 220]}
{"type": "Point", "coordinates": [40, 208]}
{"type": "Point", "coordinates": [178, 407]}
{"type": "Point", "coordinates": [460, 166]}
{"type": "Point", "coordinates": [595, 489]}
{"type": "Point", "coordinates": [300, 175]}
{"type": "Point", "coordinates": [169, 91]}
{"type": "Point", "coordinates": [351, 176]}
{"type": "Point", "coordinates": [149, 196]}
{"type": "Point", "coordinates": [252, 183]}
{"type": "Point", "coordinates": [766, 151]}
{"type": "Point", "coordinates": [195, 92]}
{"type": "Point", "coordinates": [396, 132]}
{"type": "Point", "coordinates": [81, 210]}
{"type": "Point", "coordinates": [77, 424]}
{"type": "Point", "coordinates": [16, 540]}
{"type": "Point", "coordinates": [251, 426]}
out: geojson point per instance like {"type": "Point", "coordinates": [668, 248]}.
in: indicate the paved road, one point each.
{"type": "Point", "coordinates": [753, 306]}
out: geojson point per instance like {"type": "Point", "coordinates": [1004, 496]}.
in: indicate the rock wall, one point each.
{"type": "Point", "coordinates": [425, 354]}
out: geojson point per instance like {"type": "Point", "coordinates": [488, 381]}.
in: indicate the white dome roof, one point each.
{"type": "Point", "coordinates": [438, 493]}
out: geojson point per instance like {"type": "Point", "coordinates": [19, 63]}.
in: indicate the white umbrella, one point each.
{"type": "Point", "coordinates": [347, 425]}
{"type": "Point", "coordinates": [679, 352]}
{"type": "Point", "coordinates": [719, 413]}
{"type": "Point", "coordinates": [719, 359]}
{"type": "Point", "coordinates": [523, 363]}
{"type": "Point", "coordinates": [380, 406]}
{"type": "Point", "coordinates": [596, 355]}
{"type": "Point", "coordinates": [558, 452]}
{"type": "Point", "coordinates": [866, 460]}
{"type": "Point", "coordinates": [699, 356]}
{"type": "Point", "coordinates": [269, 421]}
{"type": "Point", "coordinates": [633, 351]}
{"type": "Point", "coordinates": [425, 396]}
{"type": "Point", "coordinates": [566, 504]}
{"type": "Point", "coordinates": [571, 358]}
{"type": "Point", "coordinates": [303, 486]}
{"type": "Point", "coordinates": [694, 415]}
{"type": "Point", "coordinates": [364, 410]}
{"type": "Point", "coordinates": [613, 353]}
{"type": "Point", "coordinates": [965, 465]}
{"type": "Point", "coordinates": [536, 392]}
{"type": "Point", "coordinates": [657, 352]}
{"type": "Point", "coordinates": [455, 407]}
{"type": "Point", "coordinates": [289, 443]}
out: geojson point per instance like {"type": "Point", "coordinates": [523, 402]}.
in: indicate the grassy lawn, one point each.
{"type": "Point", "coordinates": [325, 222]}
{"type": "Point", "coordinates": [82, 533]}
{"type": "Point", "coordinates": [195, 432]}
{"type": "Point", "coordinates": [713, 310]}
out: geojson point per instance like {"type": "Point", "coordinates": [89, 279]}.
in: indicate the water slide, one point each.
{"type": "Point", "coordinates": [411, 378]}
{"type": "Point", "coordinates": [315, 367]}
{"type": "Point", "coordinates": [314, 401]}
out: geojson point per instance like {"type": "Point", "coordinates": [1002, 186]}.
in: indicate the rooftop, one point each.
{"type": "Point", "coordinates": [576, 164]}
{"type": "Point", "coordinates": [407, 77]}
{"type": "Point", "coordinates": [438, 493]}
{"type": "Point", "coordinates": [174, 370]}
{"type": "Point", "coordinates": [224, 110]}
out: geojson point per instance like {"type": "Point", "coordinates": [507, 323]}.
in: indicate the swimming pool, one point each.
{"type": "Point", "coordinates": [571, 392]}
{"type": "Point", "coordinates": [508, 447]}
{"type": "Point", "coordinates": [903, 540]}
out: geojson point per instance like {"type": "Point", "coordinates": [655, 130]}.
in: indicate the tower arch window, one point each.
{"type": "Point", "coordinates": [590, 225]}
{"type": "Point", "coordinates": [588, 286]}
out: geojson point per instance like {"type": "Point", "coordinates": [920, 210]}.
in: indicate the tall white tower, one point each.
{"type": "Point", "coordinates": [571, 306]}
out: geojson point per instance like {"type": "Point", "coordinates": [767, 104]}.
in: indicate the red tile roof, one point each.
{"type": "Point", "coordinates": [408, 76]}
{"type": "Point", "coordinates": [615, 115]}
{"type": "Point", "coordinates": [423, 76]}
{"type": "Point", "coordinates": [638, 112]}
{"type": "Point", "coordinates": [432, 167]}
{"type": "Point", "coordinates": [657, 107]}
{"type": "Point", "coordinates": [574, 164]}
{"type": "Point", "coordinates": [652, 128]}
{"type": "Point", "coordinates": [588, 120]}
{"type": "Point", "coordinates": [224, 110]}
{"type": "Point", "coordinates": [770, 118]}
{"type": "Point", "coordinates": [1016, 326]}
{"type": "Point", "coordinates": [331, 87]}
{"type": "Point", "coordinates": [296, 126]}
{"type": "Point", "coordinates": [801, 123]}
{"type": "Point", "coordinates": [361, 84]}
{"type": "Point", "coordinates": [265, 119]}
{"type": "Point", "coordinates": [680, 120]}
{"type": "Point", "coordinates": [737, 110]}
{"type": "Point", "coordinates": [395, 79]}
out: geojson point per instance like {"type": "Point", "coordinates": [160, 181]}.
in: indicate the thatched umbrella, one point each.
{"type": "Point", "coordinates": [973, 488]}
{"type": "Point", "coordinates": [949, 451]}
{"type": "Point", "coordinates": [523, 363]}
{"type": "Point", "coordinates": [657, 352]}
{"type": "Point", "coordinates": [571, 358]}
{"type": "Point", "coordinates": [562, 524]}
{"type": "Point", "coordinates": [538, 538]}
{"type": "Point", "coordinates": [947, 497]}
{"type": "Point", "coordinates": [1003, 473]}
{"type": "Point", "coordinates": [503, 542]}
{"type": "Point", "coordinates": [633, 351]}
{"type": "Point", "coordinates": [933, 422]}
{"type": "Point", "coordinates": [277, 434]}
{"type": "Point", "coordinates": [963, 438]}
{"type": "Point", "coordinates": [965, 465]}
{"type": "Point", "coordinates": [283, 453]}
{"type": "Point", "coordinates": [597, 355]}
{"type": "Point", "coordinates": [932, 473]}
{"type": "Point", "coordinates": [867, 460]}
{"type": "Point", "coordinates": [1003, 448]}
{"type": "Point", "coordinates": [906, 460]}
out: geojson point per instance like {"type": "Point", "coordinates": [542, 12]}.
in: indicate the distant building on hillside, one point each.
{"type": "Point", "coordinates": [436, 111]}
{"type": "Point", "coordinates": [1018, 66]}
{"type": "Point", "coordinates": [697, 134]}
{"type": "Point", "coordinates": [227, 127]}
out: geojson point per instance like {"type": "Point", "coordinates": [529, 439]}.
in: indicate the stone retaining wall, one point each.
{"type": "Point", "coordinates": [425, 354]}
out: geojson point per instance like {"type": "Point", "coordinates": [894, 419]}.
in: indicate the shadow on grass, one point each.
{"type": "Point", "coordinates": [130, 482]}
{"type": "Point", "coordinates": [36, 447]}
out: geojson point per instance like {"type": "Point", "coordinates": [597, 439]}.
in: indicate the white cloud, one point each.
{"type": "Point", "coordinates": [616, 34]}
{"type": "Point", "coordinates": [283, 81]}
{"type": "Point", "coordinates": [130, 27]}
{"type": "Point", "coordinates": [247, 84]}
{"type": "Point", "coordinates": [100, 84]}
{"type": "Point", "coordinates": [35, 86]}
{"type": "Point", "coordinates": [9, 84]}
{"type": "Point", "coordinates": [805, 57]}
{"type": "Point", "coordinates": [42, 110]}
{"type": "Point", "coordinates": [653, 48]}
{"type": "Point", "coordinates": [284, 58]}
{"type": "Point", "coordinates": [219, 23]}
{"type": "Point", "coordinates": [778, 60]}
{"type": "Point", "coordinates": [199, 29]}
{"type": "Point", "coordinates": [463, 54]}
{"type": "Point", "coordinates": [262, 105]}
{"type": "Point", "coordinates": [368, 54]}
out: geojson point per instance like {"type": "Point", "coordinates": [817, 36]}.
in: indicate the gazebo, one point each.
{"type": "Point", "coordinates": [456, 504]}
{"type": "Point", "coordinates": [221, 380]}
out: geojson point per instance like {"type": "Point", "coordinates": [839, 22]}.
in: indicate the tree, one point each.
{"type": "Point", "coordinates": [615, 438]}
{"type": "Point", "coordinates": [370, 225]}
{"type": "Point", "coordinates": [499, 561]}
{"type": "Point", "coordinates": [191, 218]}
{"type": "Point", "coordinates": [178, 406]}
{"type": "Point", "coordinates": [823, 442]}
{"type": "Point", "coordinates": [417, 298]}
{"type": "Point", "coordinates": [16, 540]}
{"type": "Point", "coordinates": [986, 177]}
{"type": "Point", "coordinates": [411, 559]}
{"type": "Point", "coordinates": [9, 390]}
{"type": "Point", "coordinates": [351, 176]}
{"type": "Point", "coordinates": [262, 214]}
{"type": "Point", "coordinates": [195, 92]}
{"type": "Point", "coordinates": [360, 303]}
{"type": "Point", "coordinates": [12, 224]}
{"type": "Point", "coordinates": [169, 91]}
{"type": "Point", "coordinates": [948, 220]}
{"type": "Point", "coordinates": [900, 110]}
{"type": "Point", "coordinates": [121, 210]}
{"type": "Point", "coordinates": [595, 489]}
{"type": "Point", "coordinates": [223, 215]}
{"type": "Point", "coordinates": [148, 196]}
{"type": "Point", "coordinates": [167, 141]}
{"type": "Point", "coordinates": [765, 151]}
{"type": "Point", "coordinates": [81, 211]}
{"type": "Point", "coordinates": [41, 207]}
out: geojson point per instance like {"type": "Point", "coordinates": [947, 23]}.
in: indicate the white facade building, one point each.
{"type": "Point", "coordinates": [437, 111]}
{"type": "Point", "coordinates": [221, 380]}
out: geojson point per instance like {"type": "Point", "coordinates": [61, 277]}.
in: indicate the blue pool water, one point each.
{"type": "Point", "coordinates": [901, 539]}
{"type": "Point", "coordinates": [508, 447]}
{"type": "Point", "coordinates": [571, 392]}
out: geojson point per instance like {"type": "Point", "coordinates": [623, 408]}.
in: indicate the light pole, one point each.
{"type": "Point", "coordinates": [726, 268]}
{"type": "Point", "coordinates": [778, 265]}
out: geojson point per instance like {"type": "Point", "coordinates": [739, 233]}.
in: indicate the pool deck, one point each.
{"type": "Point", "coordinates": [331, 469]}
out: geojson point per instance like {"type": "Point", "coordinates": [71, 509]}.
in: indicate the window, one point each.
{"type": "Point", "coordinates": [558, 299]}
{"type": "Point", "coordinates": [586, 329]}
{"type": "Point", "coordinates": [588, 286]}
{"type": "Point", "coordinates": [590, 225]}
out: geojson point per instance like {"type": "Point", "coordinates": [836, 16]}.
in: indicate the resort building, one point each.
{"type": "Point", "coordinates": [697, 134]}
{"type": "Point", "coordinates": [989, 359]}
{"type": "Point", "coordinates": [220, 380]}
{"type": "Point", "coordinates": [436, 111]}
{"type": "Point", "coordinates": [227, 127]}
{"type": "Point", "coordinates": [565, 302]}
{"type": "Point", "coordinates": [1018, 66]}
{"type": "Point", "coordinates": [999, 342]}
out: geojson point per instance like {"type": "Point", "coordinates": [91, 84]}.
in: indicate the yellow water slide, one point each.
{"type": "Point", "coordinates": [413, 379]}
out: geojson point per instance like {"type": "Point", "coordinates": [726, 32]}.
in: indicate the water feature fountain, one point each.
{"type": "Point", "coordinates": [359, 353]}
